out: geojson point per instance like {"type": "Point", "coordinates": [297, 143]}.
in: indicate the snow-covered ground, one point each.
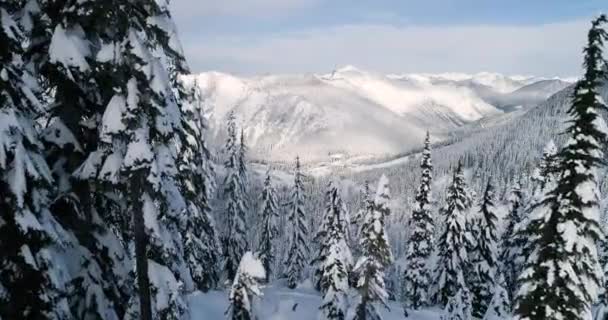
{"type": "Point", "coordinates": [281, 303]}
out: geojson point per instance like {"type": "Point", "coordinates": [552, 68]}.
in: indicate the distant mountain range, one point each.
{"type": "Point", "coordinates": [352, 112]}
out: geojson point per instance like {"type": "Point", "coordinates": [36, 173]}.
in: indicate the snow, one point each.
{"type": "Point", "coordinates": [69, 48]}
{"type": "Point", "coordinates": [112, 117]}
{"type": "Point", "coordinates": [281, 303]}
{"type": "Point", "coordinates": [251, 266]}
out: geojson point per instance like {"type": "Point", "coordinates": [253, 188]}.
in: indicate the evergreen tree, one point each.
{"type": "Point", "coordinates": [298, 247]}
{"type": "Point", "coordinates": [268, 231]}
{"type": "Point", "coordinates": [485, 260]}
{"type": "Point", "coordinates": [376, 257]}
{"type": "Point", "coordinates": [562, 275]}
{"type": "Point", "coordinates": [245, 287]}
{"type": "Point", "coordinates": [27, 228]}
{"type": "Point", "coordinates": [546, 169]}
{"type": "Point", "coordinates": [452, 254]}
{"type": "Point", "coordinates": [235, 239]}
{"type": "Point", "coordinates": [416, 275]}
{"type": "Point", "coordinates": [500, 306]}
{"type": "Point", "coordinates": [511, 242]}
{"type": "Point", "coordinates": [201, 247]}
{"type": "Point", "coordinates": [335, 216]}
{"type": "Point", "coordinates": [96, 230]}
{"type": "Point", "coordinates": [336, 265]}
{"type": "Point", "coordinates": [458, 307]}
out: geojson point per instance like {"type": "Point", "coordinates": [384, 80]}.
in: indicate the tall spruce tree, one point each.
{"type": "Point", "coordinates": [235, 238]}
{"type": "Point", "coordinates": [335, 216]}
{"type": "Point", "coordinates": [297, 253]}
{"type": "Point", "coordinates": [27, 228]}
{"type": "Point", "coordinates": [562, 275]}
{"type": "Point", "coordinates": [269, 216]}
{"type": "Point", "coordinates": [375, 257]}
{"type": "Point", "coordinates": [245, 287]}
{"type": "Point", "coordinates": [452, 254]}
{"type": "Point", "coordinates": [485, 260]}
{"type": "Point", "coordinates": [200, 238]}
{"type": "Point", "coordinates": [511, 242]}
{"type": "Point", "coordinates": [336, 265]}
{"type": "Point", "coordinates": [417, 275]}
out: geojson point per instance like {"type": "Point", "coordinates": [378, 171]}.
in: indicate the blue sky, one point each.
{"type": "Point", "coordinates": [538, 37]}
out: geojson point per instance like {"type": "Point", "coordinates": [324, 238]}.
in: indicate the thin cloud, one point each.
{"type": "Point", "coordinates": [550, 49]}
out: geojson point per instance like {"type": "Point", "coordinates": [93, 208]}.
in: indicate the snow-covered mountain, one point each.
{"type": "Point", "coordinates": [354, 112]}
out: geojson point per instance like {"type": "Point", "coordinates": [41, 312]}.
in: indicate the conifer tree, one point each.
{"type": "Point", "coordinates": [235, 239]}
{"type": "Point", "coordinates": [201, 246]}
{"type": "Point", "coordinates": [335, 216]}
{"type": "Point", "coordinates": [96, 230]}
{"type": "Point", "coordinates": [458, 307]}
{"type": "Point", "coordinates": [562, 275]}
{"type": "Point", "coordinates": [546, 169]}
{"type": "Point", "coordinates": [452, 254]}
{"type": "Point", "coordinates": [27, 228]}
{"type": "Point", "coordinates": [297, 254]}
{"type": "Point", "coordinates": [511, 243]}
{"type": "Point", "coordinates": [500, 306]}
{"type": "Point", "coordinates": [245, 287]}
{"type": "Point", "coordinates": [268, 225]}
{"type": "Point", "coordinates": [416, 275]}
{"type": "Point", "coordinates": [336, 265]}
{"type": "Point", "coordinates": [375, 258]}
{"type": "Point", "coordinates": [485, 260]}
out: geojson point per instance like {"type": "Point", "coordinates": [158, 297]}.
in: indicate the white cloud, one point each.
{"type": "Point", "coordinates": [184, 9]}
{"type": "Point", "coordinates": [551, 49]}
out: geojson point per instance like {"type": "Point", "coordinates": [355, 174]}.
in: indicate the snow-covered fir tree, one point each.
{"type": "Point", "coordinates": [357, 219]}
{"type": "Point", "coordinates": [484, 256]}
{"type": "Point", "coordinates": [268, 225]}
{"type": "Point", "coordinates": [452, 254]}
{"type": "Point", "coordinates": [335, 217]}
{"type": "Point", "coordinates": [245, 287]}
{"type": "Point", "coordinates": [562, 275]}
{"type": "Point", "coordinates": [235, 235]}
{"type": "Point", "coordinates": [27, 229]}
{"type": "Point", "coordinates": [458, 307]}
{"type": "Point", "coordinates": [297, 254]}
{"type": "Point", "coordinates": [201, 245]}
{"type": "Point", "coordinates": [500, 306]}
{"type": "Point", "coordinates": [375, 257]}
{"type": "Point", "coordinates": [511, 242]}
{"type": "Point", "coordinates": [546, 169]}
{"type": "Point", "coordinates": [417, 275]}
{"type": "Point", "coordinates": [336, 264]}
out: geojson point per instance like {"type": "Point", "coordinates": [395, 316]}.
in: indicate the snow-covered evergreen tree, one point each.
{"type": "Point", "coordinates": [297, 253]}
{"type": "Point", "coordinates": [562, 275]}
{"type": "Point", "coordinates": [417, 276]}
{"type": "Point", "coordinates": [484, 255]}
{"type": "Point", "coordinates": [201, 246]}
{"type": "Point", "coordinates": [27, 228]}
{"type": "Point", "coordinates": [452, 254]}
{"type": "Point", "coordinates": [235, 237]}
{"type": "Point", "coordinates": [511, 242]}
{"type": "Point", "coordinates": [375, 257]}
{"type": "Point", "coordinates": [337, 262]}
{"type": "Point", "coordinates": [500, 306]}
{"type": "Point", "coordinates": [458, 307]}
{"type": "Point", "coordinates": [546, 169]}
{"type": "Point", "coordinates": [245, 287]}
{"type": "Point", "coordinates": [334, 217]}
{"type": "Point", "coordinates": [268, 225]}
